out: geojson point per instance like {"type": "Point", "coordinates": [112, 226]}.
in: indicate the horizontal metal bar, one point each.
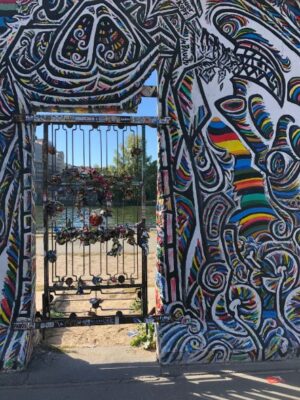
{"type": "Point", "coordinates": [54, 323]}
{"type": "Point", "coordinates": [97, 120]}
{"type": "Point", "coordinates": [55, 289]}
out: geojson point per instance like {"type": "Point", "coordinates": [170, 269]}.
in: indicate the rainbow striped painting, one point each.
{"type": "Point", "coordinates": [8, 9]}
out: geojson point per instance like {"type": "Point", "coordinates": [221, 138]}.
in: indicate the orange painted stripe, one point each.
{"type": "Point", "coordinates": [249, 184]}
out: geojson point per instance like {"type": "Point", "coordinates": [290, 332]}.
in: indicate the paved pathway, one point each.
{"type": "Point", "coordinates": [112, 373]}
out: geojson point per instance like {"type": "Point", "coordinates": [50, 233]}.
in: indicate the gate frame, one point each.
{"type": "Point", "coordinates": [42, 321]}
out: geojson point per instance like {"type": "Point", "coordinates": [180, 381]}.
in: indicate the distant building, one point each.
{"type": "Point", "coordinates": [56, 164]}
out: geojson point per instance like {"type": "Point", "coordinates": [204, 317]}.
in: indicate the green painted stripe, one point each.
{"type": "Point", "coordinates": [8, 7]}
{"type": "Point", "coordinates": [253, 200]}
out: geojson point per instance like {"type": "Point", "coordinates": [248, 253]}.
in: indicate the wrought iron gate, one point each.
{"type": "Point", "coordinates": [95, 255]}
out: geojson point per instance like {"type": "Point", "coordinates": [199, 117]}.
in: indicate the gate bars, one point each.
{"type": "Point", "coordinates": [95, 264]}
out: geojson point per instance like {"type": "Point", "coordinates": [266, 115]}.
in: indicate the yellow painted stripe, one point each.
{"type": "Point", "coordinates": [257, 216]}
{"type": "Point", "coordinates": [234, 147]}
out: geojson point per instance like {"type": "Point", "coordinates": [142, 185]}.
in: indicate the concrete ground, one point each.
{"type": "Point", "coordinates": [113, 373]}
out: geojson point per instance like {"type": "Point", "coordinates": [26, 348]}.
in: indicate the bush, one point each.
{"type": "Point", "coordinates": [145, 337]}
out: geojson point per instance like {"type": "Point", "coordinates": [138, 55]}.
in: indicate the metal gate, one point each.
{"type": "Point", "coordinates": [95, 253]}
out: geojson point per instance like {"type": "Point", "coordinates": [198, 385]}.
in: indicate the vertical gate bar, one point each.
{"type": "Point", "coordinates": [123, 200]}
{"type": "Point", "coordinates": [123, 166]}
{"type": "Point", "coordinates": [46, 300]}
{"type": "Point", "coordinates": [136, 191]}
{"type": "Point", "coordinates": [143, 172]}
{"type": "Point", "coordinates": [101, 149]}
{"type": "Point", "coordinates": [116, 130]}
{"type": "Point", "coordinates": [83, 208]}
{"type": "Point", "coordinates": [66, 213]}
{"type": "Point", "coordinates": [53, 265]}
{"type": "Point", "coordinates": [106, 171]}
{"type": "Point", "coordinates": [90, 166]}
{"type": "Point", "coordinates": [101, 172]}
{"type": "Point", "coordinates": [72, 215]}
{"type": "Point", "coordinates": [143, 205]}
{"type": "Point", "coordinates": [55, 225]}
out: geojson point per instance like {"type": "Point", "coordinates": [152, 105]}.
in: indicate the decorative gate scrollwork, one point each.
{"type": "Point", "coordinates": [95, 253]}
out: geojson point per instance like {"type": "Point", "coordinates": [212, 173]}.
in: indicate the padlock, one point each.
{"type": "Point", "coordinates": [54, 207]}
{"type": "Point", "coordinates": [97, 280]}
{"type": "Point", "coordinates": [52, 256]}
{"type": "Point", "coordinates": [121, 279]}
{"type": "Point", "coordinates": [51, 149]}
{"type": "Point", "coordinates": [69, 282]}
{"type": "Point", "coordinates": [95, 219]}
{"type": "Point", "coordinates": [116, 249]}
{"type": "Point", "coordinates": [95, 302]}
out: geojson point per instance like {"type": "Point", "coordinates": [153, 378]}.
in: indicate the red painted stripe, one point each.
{"type": "Point", "coordinates": [249, 184]}
{"type": "Point", "coordinates": [223, 137]}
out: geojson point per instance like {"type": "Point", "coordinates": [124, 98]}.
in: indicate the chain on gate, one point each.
{"type": "Point", "coordinates": [95, 238]}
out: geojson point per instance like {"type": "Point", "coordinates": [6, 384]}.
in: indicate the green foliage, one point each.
{"type": "Point", "coordinates": [150, 180]}
{"type": "Point", "coordinates": [124, 163]}
{"type": "Point", "coordinates": [56, 314]}
{"type": "Point", "coordinates": [145, 337]}
{"type": "Point", "coordinates": [136, 306]}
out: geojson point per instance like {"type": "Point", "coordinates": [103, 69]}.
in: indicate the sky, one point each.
{"type": "Point", "coordinates": [107, 141]}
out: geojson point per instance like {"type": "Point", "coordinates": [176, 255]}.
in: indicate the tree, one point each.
{"type": "Point", "coordinates": [150, 180]}
{"type": "Point", "coordinates": [128, 161]}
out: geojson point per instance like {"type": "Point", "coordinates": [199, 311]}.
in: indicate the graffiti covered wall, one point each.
{"type": "Point", "coordinates": [228, 266]}
{"type": "Point", "coordinates": [228, 204]}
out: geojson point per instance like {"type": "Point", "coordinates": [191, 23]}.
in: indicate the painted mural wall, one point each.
{"type": "Point", "coordinates": [229, 191]}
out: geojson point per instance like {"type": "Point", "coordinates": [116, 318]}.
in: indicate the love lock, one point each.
{"type": "Point", "coordinates": [95, 219]}
{"type": "Point", "coordinates": [52, 256]}
{"type": "Point", "coordinates": [51, 149]}
{"type": "Point", "coordinates": [108, 196]}
{"type": "Point", "coordinates": [80, 287]}
{"type": "Point", "coordinates": [54, 207]}
{"type": "Point", "coordinates": [95, 303]}
{"type": "Point", "coordinates": [121, 279]}
{"type": "Point", "coordinates": [129, 194]}
{"type": "Point", "coordinates": [143, 241]}
{"type": "Point", "coordinates": [70, 174]}
{"type": "Point", "coordinates": [61, 237]}
{"type": "Point", "coordinates": [59, 284]}
{"type": "Point", "coordinates": [116, 249]}
{"type": "Point", "coordinates": [69, 282]}
{"type": "Point", "coordinates": [121, 231]}
{"type": "Point", "coordinates": [106, 213]}
{"type": "Point", "coordinates": [55, 180]}
{"type": "Point", "coordinates": [80, 290]}
{"type": "Point", "coordinates": [130, 236]}
{"type": "Point", "coordinates": [81, 200]}
{"type": "Point", "coordinates": [131, 241]}
{"type": "Point", "coordinates": [101, 196]}
{"type": "Point", "coordinates": [97, 280]}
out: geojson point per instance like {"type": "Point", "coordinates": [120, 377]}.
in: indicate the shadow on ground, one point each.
{"type": "Point", "coordinates": [87, 374]}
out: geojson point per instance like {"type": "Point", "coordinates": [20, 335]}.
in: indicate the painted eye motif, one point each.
{"type": "Point", "coordinates": [279, 163]}
{"type": "Point", "coordinates": [112, 44]}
